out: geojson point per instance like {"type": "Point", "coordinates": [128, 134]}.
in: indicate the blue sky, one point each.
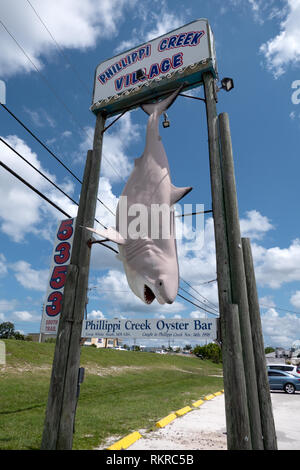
{"type": "Point", "coordinates": [257, 43]}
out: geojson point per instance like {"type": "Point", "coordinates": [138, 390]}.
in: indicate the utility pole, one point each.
{"type": "Point", "coordinates": [62, 398]}
{"type": "Point", "coordinates": [238, 278]}
{"type": "Point", "coordinates": [236, 406]}
{"type": "Point", "coordinates": [265, 403]}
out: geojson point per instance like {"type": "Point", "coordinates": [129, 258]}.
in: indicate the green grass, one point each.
{"type": "Point", "coordinates": [122, 392]}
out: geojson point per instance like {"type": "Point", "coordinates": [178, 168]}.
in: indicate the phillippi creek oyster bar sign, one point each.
{"type": "Point", "coordinates": [204, 328]}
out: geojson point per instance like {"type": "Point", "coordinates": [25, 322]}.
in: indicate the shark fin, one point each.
{"type": "Point", "coordinates": [109, 233]}
{"type": "Point", "coordinates": [161, 106]}
{"type": "Point", "coordinates": [179, 193]}
{"type": "Point", "coordinates": [148, 108]}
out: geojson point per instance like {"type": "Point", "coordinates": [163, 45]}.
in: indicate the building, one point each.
{"type": "Point", "coordinates": [102, 342]}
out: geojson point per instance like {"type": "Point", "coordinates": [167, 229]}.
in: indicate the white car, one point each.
{"type": "Point", "coordinates": [290, 368]}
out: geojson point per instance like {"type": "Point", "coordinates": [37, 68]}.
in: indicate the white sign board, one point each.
{"type": "Point", "coordinates": [58, 272]}
{"type": "Point", "coordinates": [188, 329]}
{"type": "Point", "coordinates": [178, 57]}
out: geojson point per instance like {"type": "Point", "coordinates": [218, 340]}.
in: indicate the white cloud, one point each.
{"type": "Point", "coordinates": [276, 266]}
{"type": "Point", "coordinates": [280, 331]}
{"type": "Point", "coordinates": [255, 225]}
{"type": "Point", "coordinates": [23, 315]}
{"type": "Point", "coordinates": [114, 287]}
{"type": "Point", "coordinates": [116, 165]}
{"type": "Point", "coordinates": [164, 22]}
{"type": "Point", "coordinates": [295, 299]}
{"type": "Point", "coordinates": [197, 314]}
{"type": "Point", "coordinates": [284, 49]}
{"type": "Point", "coordinates": [74, 24]}
{"type": "Point", "coordinates": [23, 212]}
{"type": "Point", "coordinates": [95, 315]}
{"type": "Point", "coordinates": [7, 305]}
{"type": "Point", "coordinates": [30, 278]}
{"type": "Point", "coordinates": [3, 265]}
{"type": "Point", "coordinates": [159, 24]}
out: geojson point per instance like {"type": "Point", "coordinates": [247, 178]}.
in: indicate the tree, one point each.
{"type": "Point", "coordinates": [7, 330]}
{"type": "Point", "coordinates": [210, 351]}
{"type": "Point", "coordinates": [269, 349]}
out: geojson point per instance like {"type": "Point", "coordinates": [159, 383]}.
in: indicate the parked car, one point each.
{"type": "Point", "coordinates": [290, 368]}
{"type": "Point", "coordinates": [280, 380]}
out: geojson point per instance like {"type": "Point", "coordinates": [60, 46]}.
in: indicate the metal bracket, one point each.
{"type": "Point", "coordinates": [115, 120]}
{"type": "Point", "coordinates": [92, 241]}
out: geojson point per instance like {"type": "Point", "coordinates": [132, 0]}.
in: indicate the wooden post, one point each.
{"type": "Point", "coordinates": [265, 403]}
{"type": "Point", "coordinates": [237, 417]}
{"type": "Point", "coordinates": [238, 279]}
{"type": "Point", "coordinates": [60, 413]}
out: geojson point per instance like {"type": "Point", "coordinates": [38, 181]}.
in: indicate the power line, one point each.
{"type": "Point", "coordinates": [60, 49]}
{"type": "Point", "coordinates": [54, 92]}
{"type": "Point", "coordinates": [34, 189]}
{"type": "Point", "coordinates": [196, 305]}
{"type": "Point", "coordinates": [199, 293]}
{"type": "Point", "coordinates": [197, 299]}
{"type": "Point", "coordinates": [50, 152]}
{"type": "Point", "coordinates": [279, 308]}
{"type": "Point", "coordinates": [45, 177]}
{"type": "Point", "coordinates": [38, 171]}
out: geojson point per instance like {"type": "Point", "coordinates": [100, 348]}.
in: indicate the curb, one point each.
{"type": "Point", "coordinates": [183, 411]}
{"type": "Point", "coordinates": [127, 441]}
{"type": "Point", "coordinates": [164, 421]}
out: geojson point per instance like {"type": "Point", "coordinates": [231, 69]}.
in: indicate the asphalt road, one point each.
{"type": "Point", "coordinates": [205, 429]}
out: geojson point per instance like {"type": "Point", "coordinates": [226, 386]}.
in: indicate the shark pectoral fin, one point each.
{"type": "Point", "coordinates": [109, 233]}
{"type": "Point", "coordinates": [178, 193]}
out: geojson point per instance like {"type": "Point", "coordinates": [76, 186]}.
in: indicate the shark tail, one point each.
{"type": "Point", "coordinates": [160, 106]}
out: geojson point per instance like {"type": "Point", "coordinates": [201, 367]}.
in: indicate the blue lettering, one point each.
{"type": "Point", "coordinates": [127, 80]}
{"type": "Point", "coordinates": [172, 41]}
{"type": "Point", "coordinates": [119, 83]}
{"type": "Point", "coordinates": [188, 39]}
{"type": "Point", "coordinates": [102, 78]}
{"type": "Point", "coordinates": [165, 65]}
{"type": "Point", "coordinates": [154, 70]}
{"type": "Point", "coordinates": [180, 39]}
{"type": "Point", "coordinates": [134, 80]}
{"type": "Point", "coordinates": [177, 60]}
{"type": "Point", "coordinates": [196, 39]}
{"type": "Point", "coordinates": [142, 52]}
{"type": "Point", "coordinates": [162, 45]}
{"type": "Point", "coordinates": [134, 56]}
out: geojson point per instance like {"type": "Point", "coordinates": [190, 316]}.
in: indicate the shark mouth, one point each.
{"type": "Point", "coordinates": [148, 295]}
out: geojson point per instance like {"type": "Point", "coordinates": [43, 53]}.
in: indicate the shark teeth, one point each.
{"type": "Point", "coordinates": [148, 295]}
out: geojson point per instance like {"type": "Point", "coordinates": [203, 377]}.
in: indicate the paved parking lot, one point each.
{"type": "Point", "coordinates": [286, 410]}
{"type": "Point", "coordinates": [205, 428]}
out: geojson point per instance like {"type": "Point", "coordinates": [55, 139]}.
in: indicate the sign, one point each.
{"type": "Point", "coordinates": [58, 272]}
{"type": "Point", "coordinates": [155, 68]}
{"type": "Point", "coordinates": [188, 329]}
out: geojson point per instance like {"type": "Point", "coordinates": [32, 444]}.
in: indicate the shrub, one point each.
{"type": "Point", "coordinates": [210, 351]}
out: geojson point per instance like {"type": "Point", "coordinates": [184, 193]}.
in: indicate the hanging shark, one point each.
{"type": "Point", "coordinates": [150, 262]}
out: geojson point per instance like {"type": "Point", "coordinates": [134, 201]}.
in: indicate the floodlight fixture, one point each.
{"type": "Point", "coordinates": [227, 84]}
{"type": "Point", "coordinates": [166, 122]}
{"type": "Point", "coordinates": [140, 74]}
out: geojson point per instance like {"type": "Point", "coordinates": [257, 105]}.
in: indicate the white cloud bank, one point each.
{"type": "Point", "coordinates": [284, 49]}
{"type": "Point", "coordinates": [74, 25]}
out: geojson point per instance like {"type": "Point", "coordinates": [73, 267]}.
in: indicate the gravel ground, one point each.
{"type": "Point", "coordinates": [204, 428]}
